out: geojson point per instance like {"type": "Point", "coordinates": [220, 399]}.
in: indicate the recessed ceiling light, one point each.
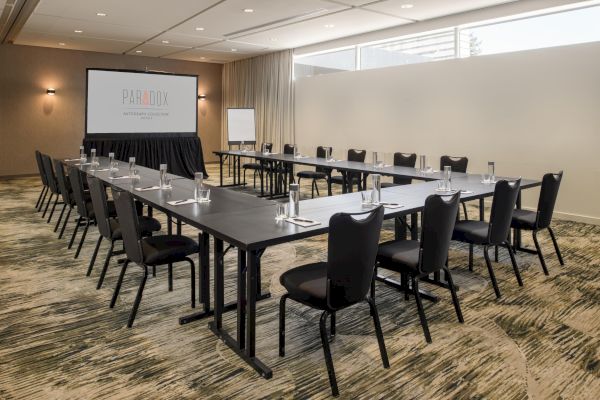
{"type": "Point", "coordinates": [233, 49]}
{"type": "Point", "coordinates": [248, 10]}
{"type": "Point", "coordinates": [199, 28]}
{"type": "Point", "coordinates": [101, 14]}
{"type": "Point", "coordinates": [61, 44]}
{"type": "Point", "coordinates": [405, 6]}
{"type": "Point", "coordinates": [78, 31]}
{"type": "Point", "coordinates": [165, 41]}
{"type": "Point", "coordinates": [329, 25]}
{"type": "Point", "coordinates": [138, 51]}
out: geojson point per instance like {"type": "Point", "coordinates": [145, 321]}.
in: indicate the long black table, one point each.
{"type": "Point", "coordinates": [248, 223]}
{"type": "Point", "coordinates": [344, 167]}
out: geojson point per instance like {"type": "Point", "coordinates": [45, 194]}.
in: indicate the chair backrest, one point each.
{"type": "Point", "coordinates": [503, 204]}
{"type": "Point", "coordinates": [40, 165]}
{"type": "Point", "coordinates": [351, 256]}
{"type": "Point", "coordinates": [76, 183]}
{"type": "Point", "coordinates": [63, 184]}
{"type": "Point", "coordinates": [458, 164]}
{"type": "Point", "coordinates": [49, 171]}
{"type": "Point", "coordinates": [404, 160]}
{"type": "Point", "coordinates": [100, 204]}
{"type": "Point", "coordinates": [288, 149]}
{"type": "Point", "coordinates": [322, 153]}
{"type": "Point", "coordinates": [438, 218]}
{"type": "Point", "coordinates": [129, 224]}
{"type": "Point", "coordinates": [357, 155]}
{"type": "Point", "coordinates": [269, 146]}
{"type": "Point", "coordinates": [548, 195]}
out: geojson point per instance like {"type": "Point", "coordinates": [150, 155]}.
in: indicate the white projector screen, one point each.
{"type": "Point", "coordinates": [125, 102]}
{"type": "Point", "coordinates": [240, 125]}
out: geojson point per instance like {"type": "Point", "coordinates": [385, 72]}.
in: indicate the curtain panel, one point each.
{"type": "Point", "coordinates": [265, 84]}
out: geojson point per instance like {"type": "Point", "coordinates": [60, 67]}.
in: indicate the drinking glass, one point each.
{"type": "Point", "coordinates": [366, 197]}
{"type": "Point", "coordinates": [83, 158]}
{"type": "Point", "coordinates": [296, 152]}
{"type": "Point", "coordinates": [376, 188]}
{"type": "Point", "coordinates": [280, 211]}
{"type": "Point", "coordinates": [199, 184]}
{"type": "Point", "coordinates": [294, 200]}
{"type": "Point", "coordinates": [204, 195]}
{"type": "Point", "coordinates": [328, 154]}
{"type": "Point", "coordinates": [131, 166]}
{"type": "Point", "coordinates": [375, 159]}
{"type": "Point", "coordinates": [242, 146]}
{"type": "Point", "coordinates": [491, 170]}
{"type": "Point", "coordinates": [447, 177]}
{"type": "Point", "coordinates": [112, 163]}
{"type": "Point", "coordinates": [81, 151]}
{"type": "Point", "coordinates": [422, 163]}
{"type": "Point", "coordinates": [485, 178]}
{"type": "Point", "coordinates": [162, 170]}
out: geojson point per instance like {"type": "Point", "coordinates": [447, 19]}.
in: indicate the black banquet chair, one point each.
{"type": "Point", "coordinates": [340, 282]}
{"type": "Point", "coordinates": [148, 251]}
{"type": "Point", "coordinates": [418, 259]}
{"type": "Point", "coordinates": [401, 160]}
{"type": "Point", "coordinates": [318, 174]}
{"type": "Point", "coordinates": [256, 166]}
{"type": "Point", "coordinates": [52, 185]}
{"type": "Point", "coordinates": [456, 164]}
{"type": "Point", "coordinates": [66, 193]}
{"type": "Point", "coordinates": [352, 178]}
{"type": "Point", "coordinates": [109, 227]}
{"type": "Point", "coordinates": [495, 232]}
{"type": "Point", "coordinates": [44, 192]}
{"type": "Point", "coordinates": [541, 219]}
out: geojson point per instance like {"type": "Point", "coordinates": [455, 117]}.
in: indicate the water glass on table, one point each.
{"type": "Point", "coordinates": [280, 211]}
{"type": "Point", "coordinates": [112, 164]}
{"type": "Point", "coordinates": [367, 200]}
{"type": "Point", "coordinates": [131, 167]}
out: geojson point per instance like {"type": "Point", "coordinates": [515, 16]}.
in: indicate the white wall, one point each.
{"type": "Point", "coordinates": [532, 112]}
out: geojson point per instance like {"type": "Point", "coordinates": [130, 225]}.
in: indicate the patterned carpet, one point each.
{"type": "Point", "coordinates": [60, 340]}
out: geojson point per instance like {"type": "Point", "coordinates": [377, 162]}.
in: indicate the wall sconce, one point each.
{"type": "Point", "coordinates": [201, 97]}
{"type": "Point", "coordinates": [50, 91]}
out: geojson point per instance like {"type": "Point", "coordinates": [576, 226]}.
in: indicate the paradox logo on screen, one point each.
{"type": "Point", "coordinates": [150, 98]}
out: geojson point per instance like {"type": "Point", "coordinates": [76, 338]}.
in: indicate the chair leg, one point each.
{"type": "Point", "coordinates": [64, 225]}
{"type": "Point", "coordinates": [491, 271]}
{"type": "Point", "coordinates": [415, 286]}
{"type": "Point", "coordinates": [119, 283]}
{"type": "Point", "coordinates": [513, 261]}
{"type": "Point", "coordinates": [93, 260]}
{"type": "Point", "coordinates": [496, 253]}
{"type": "Point", "coordinates": [193, 274]}
{"type": "Point", "coordinates": [43, 200]}
{"type": "Point", "coordinates": [87, 225]}
{"type": "Point", "coordinates": [282, 325]}
{"type": "Point", "coordinates": [138, 298]}
{"type": "Point", "coordinates": [53, 208]}
{"type": "Point", "coordinates": [373, 283]}
{"type": "Point", "coordinates": [39, 200]}
{"type": "Point", "coordinates": [170, 277]}
{"type": "Point", "coordinates": [317, 189]}
{"type": "Point", "coordinates": [379, 333]}
{"type": "Point", "coordinates": [560, 259]}
{"type": "Point", "coordinates": [327, 353]}
{"type": "Point", "coordinates": [77, 223]}
{"type": "Point", "coordinates": [62, 212]}
{"type": "Point", "coordinates": [105, 267]}
{"type": "Point", "coordinates": [454, 296]}
{"type": "Point", "coordinates": [47, 205]}
{"type": "Point", "coordinates": [465, 211]}
{"type": "Point", "coordinates": [539, 253]}
{"type": "Point", "coordinates": [470, 257]}
{"type": "Point", "coordinates": [154, 271]}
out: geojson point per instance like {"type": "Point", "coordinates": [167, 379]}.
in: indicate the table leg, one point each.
{"type": "Point", "coordinates": [220, 169]}
{"type": "Point", "coordinates": [517, 236]}
{"type": "Point", "coordinates": [329, 193]}
{"type": "Point", "coordinates": [170, 266]}
{"type": "Point", "coordinates": [414, 226]}
{"type": "Point", "coordinates": [481, 210]}
{"type": "Point", "coordinates": [239, 171]}
{"type": "Point", "coordinates": [262, 178]}
{"type": "Point", "coordinates": [219, 283]}
{"type": "Point", "coordinates": [241, 299]}
{"type": "Point", "coordinates": [400, 227]}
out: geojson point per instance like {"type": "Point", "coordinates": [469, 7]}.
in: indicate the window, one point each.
{"type": "Point", "coordinates": [410, 50]}
{"type": "Point", "coordinates": [325, 63]}
{"type": "Point", "coordinates": [557, 29]}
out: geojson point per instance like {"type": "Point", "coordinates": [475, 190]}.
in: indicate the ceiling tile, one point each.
{"type": "Point", "coordinates": [178, 39]}
{"type": "Point", "coordinates": [74, 43]}
{"type": "Point", "coordinates": [345, 23]}
{"type": "Point", "coordinates": [202, 55]}
{"type": "Point", "coordinates": [426, 9]}
{"type": "Point", "coordinates": [156, 50]}
{"type": "Point", "coordinates": [240, 47]}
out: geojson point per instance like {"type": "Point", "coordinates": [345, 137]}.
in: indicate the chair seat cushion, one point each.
{"type": "Point", "coordinates": [147, 226]}
{"type": "Point", "coordinates": [399, 255]}
{"type": "Point", "coordinates": [389, 184]}
{"type": "Point", "coordinates": [251, 166]}
{"type": "Point", "coordinates": [339, 179]}
{"type": "Point", "coordinates": [312, 175]}
{"type": "Point", "coordinates": [475, 232]}
{"type": "Point", "coordinates": [167, 249]}
{"type": "Point", "coordinates": [523, 219]}
{"type": "Point", "coordinates": [307, 284]}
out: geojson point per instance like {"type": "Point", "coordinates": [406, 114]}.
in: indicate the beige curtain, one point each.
{"type": "Point", "coordinates": [265, 84]}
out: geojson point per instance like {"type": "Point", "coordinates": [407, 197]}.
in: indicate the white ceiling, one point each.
{"type": "Point", "coordinates": [169, 28]}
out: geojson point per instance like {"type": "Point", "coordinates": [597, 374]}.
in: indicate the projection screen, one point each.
{"type": "Point", "coordinates": [142, 103]}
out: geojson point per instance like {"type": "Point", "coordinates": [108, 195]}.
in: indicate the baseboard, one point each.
{"type": "Point", "coordinates": [18, 176]}
{"type": "Point", "coordinates": [564, 216]}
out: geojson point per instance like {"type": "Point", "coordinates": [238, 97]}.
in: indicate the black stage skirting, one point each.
{"type": "Point", "coordinates": [183, 155]}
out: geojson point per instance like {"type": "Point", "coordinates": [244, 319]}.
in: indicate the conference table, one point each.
{"type": "Point", "coordinates": [268, 161]}
{"type": "Point", "coordinates": [248, 223]}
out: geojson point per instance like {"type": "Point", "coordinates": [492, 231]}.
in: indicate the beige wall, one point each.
{"type": "Point", "coordinates": [532, 112]}
{"type": "Point", "coordinates": [30, 119]}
